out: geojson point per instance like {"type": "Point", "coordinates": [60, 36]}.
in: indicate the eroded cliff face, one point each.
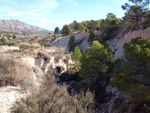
{"type": "Point", "coordinates": [35, 64]}
{"type": "Point", "coordinates": [117, 43]}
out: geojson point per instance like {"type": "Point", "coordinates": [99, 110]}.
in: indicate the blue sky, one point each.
{"type": "Point", "coordinates": [49, 14]}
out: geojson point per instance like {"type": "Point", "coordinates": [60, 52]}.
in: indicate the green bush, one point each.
{"type": "Point", "coordinates": [10, 44]}
{"type": "Point", "coordinates": [3, 40]}
{"type": "Point", "coordinates": [40, 42]}
{"type": "Point", "coordinates": [47, 44]}
{"type": "Point", "coordinates": [24, 47]}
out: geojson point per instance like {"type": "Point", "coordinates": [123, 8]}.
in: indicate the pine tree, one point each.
{"type": "Point", "coordinates": [135, 11]}
{"type": "Point", "coordinates": [72, 44]}
{"type": "Point", "coordinates": [133, 78]}
{"type": "Point", "coordinates": [57, 30]}
{"type": "Point", "coordinates": [91, 36]}
{"type": "Point", "coordinates": [79, 27]}
{"type": "Point", "coordinates": [95, 61]}
{"type": "Point", "coordinates": [76, 57]}
{"type": "Point", "coordinates": [66, 30]}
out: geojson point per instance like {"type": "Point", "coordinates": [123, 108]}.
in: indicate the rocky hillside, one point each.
{"type": "Point", "coordinates": [81, 38]}
{"type": "Point", "coordinates": [18, 26]}
{"type": "Point", "coordinates": [117, 43]}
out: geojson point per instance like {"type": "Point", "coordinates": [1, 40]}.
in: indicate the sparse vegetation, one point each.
{"type": "Point", "coordinates": [51, 99]}
{"type": "Point", "coordinates": [55, 100]}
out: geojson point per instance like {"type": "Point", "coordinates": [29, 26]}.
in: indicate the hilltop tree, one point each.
{"type": "Point", "coordinates": [79, 27]}
{"type": "Point", "coordinates": [133, 76]}
{"type": "Point", "coordinates": [66, 30]}
{"type": "Point", "coordinates": [72, 44]}
{"type": "Point", "coordinates": [109, 25]}
{"type": "Point", "coordinates": [135, 11]}
{"type": "Point", "coordinates": [57, 30]}
{"type": "Point", "coordinates": [111, 15]}
{"type": "Point", "coordinates": [95, 61]}
{"type": "Point", "coordinates": [92, 25]}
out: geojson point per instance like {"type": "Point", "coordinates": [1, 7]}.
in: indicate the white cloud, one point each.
{"type": "Point", "coordinates": [28, 7]}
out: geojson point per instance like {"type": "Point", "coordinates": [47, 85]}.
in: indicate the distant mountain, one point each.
{"type": "Point", "coordinates": [18, 26]}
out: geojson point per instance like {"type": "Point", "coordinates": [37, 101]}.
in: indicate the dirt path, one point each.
{"type": "Point", "coordinates": [8, 96]}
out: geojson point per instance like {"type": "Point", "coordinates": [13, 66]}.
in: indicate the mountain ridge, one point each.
{"type": "Point", "coordinates": [19, 26]}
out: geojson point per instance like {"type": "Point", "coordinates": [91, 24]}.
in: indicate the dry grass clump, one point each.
{"type": "Point", "coordinates": [36, 45]}
{"type": "Point", "coordinates": [54, 99]}
{"type": "Point", "coordinates": [14, 73]}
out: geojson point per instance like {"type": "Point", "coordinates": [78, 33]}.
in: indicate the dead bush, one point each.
{"type": "Point", "coordinates": [14, 73]}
